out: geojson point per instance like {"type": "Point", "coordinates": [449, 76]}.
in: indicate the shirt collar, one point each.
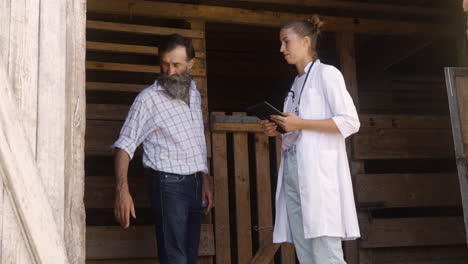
{"type": "Point", "coordinates": [306, 68]}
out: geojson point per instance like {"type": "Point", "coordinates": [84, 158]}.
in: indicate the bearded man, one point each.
{"type": "Point", "coordinates": [167, 118]}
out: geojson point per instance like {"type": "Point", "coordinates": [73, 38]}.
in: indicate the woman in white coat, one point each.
{"type": "Point", "coordinates": [314, 197]}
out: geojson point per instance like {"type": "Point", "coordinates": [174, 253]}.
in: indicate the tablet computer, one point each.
{"type": "Point", "coordinates": [263, 111]}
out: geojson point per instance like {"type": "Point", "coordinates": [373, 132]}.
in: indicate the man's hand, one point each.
{"type": "Point", "coordinates": [269, 128]}
{"type": "Point", "coordinates": [207, 196]}
{"type": "Point", "coordinates": [123, 207]}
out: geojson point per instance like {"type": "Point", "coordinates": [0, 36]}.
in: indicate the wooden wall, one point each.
{"type": "Point", "coordinates": [42, 123]}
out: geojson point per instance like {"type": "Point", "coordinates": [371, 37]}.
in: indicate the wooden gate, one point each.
{"type": "Point", "coordinates": [244, 169]}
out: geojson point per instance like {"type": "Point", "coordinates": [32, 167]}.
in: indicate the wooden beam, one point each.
{"type": "Point", "coordinates": [408, 190]}
{"type": "Point", "coordinates": [110, 66]}
{"type": "Point", "coordinates": [347, 55]}
{"type": "Point", "coordinates": [405, 121]}
{"type": "Point", "coordinates": [267, 250]}
{"type": "Point", "coordinates": [261, 18]}
{"type": "Point", "coordinates": [74, 216]}
{"type": "Point", "coordinates": [152, 30]}
{"type": "Point", "coordinates": [106, 112]}
{"type": "Point", "coordinates": [221, 197]}
{"type": "Point", "coordinates": [114, 242]}
{"type": "Point", "coordinates": [24, 185]}
{"type": "Point", "coordinates": [124, 48]}
{"type": "Point", "coordinates": [115, 87]}
{"type": "Point", "coordinates": [417, 255]}
{"type": "Point", "coordinates": [361, 6]}
{"type": "Point", "coordinates": [409, 232]}
{"type": "Point", "coordinates": [370, 143]}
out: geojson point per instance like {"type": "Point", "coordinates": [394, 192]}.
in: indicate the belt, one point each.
{"type": "Point", "coordinates": [158, 173]}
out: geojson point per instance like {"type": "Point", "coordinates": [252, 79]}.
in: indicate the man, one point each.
{"type": "Point", "coordinates": [166, 117]}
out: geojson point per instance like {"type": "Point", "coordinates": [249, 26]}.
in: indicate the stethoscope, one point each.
{"type": "Point", "coordinates": [296, 110]}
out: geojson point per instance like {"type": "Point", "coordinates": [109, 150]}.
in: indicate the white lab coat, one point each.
{"type": "Point", "coordinates": [326, 191]}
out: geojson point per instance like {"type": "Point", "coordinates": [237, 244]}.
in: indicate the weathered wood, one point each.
{"type": "Point", "coordinates": [372, 143]}
{"type": "Point", "coordinates": [262, 157]}
{"type": "Point", "coordinates": [201, 260]}
{"type": "Point", "coordinates": [100, 192]}
{"type": "Point", "coordinates": [263, 18]}
{"type": "Point", "coordinates": [347, 54]}
{"type": "Point", "coordinates": [115, 87]}
{"type": "Point", "coordinates": [124, 48]}
{"type": "Point", "coordinates": [221, 198]}
{"type": "Point", "coordinates": [362, 6]}
{"type": "Point", "coordinates": [408, 190]}
{"type": "Point", "coordinates": [19, 44]}
{"type": "Point", "coordinates": [236, 127]}
{"type": "Point", "coordinates": [429, 255]}
{"type": "Point", "coordinates": [111, 66]}
{"type": "Point", "coordinates": [114, 242]}
{"type": "Point", "coordinates": [242, 189]}
{"type": "Point", "coordinates": [51, 105]}
{"type": "Point", "coordinates": [404, 121]}
{"type": "Point", "coordinates": [25, 186]}
{"type": "Point", "coordinates": [408, 232]}
{"type": "Point", "coordinates": [267, 250]}
{"type": "Point", "coordinates": [106, 111]}
{"type": "Point", "coordinates": [74, 215]}
{"type": "Point", "coordinates": [131, 28]}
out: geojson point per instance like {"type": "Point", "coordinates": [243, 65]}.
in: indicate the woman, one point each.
{"type": "Point", "coordinates": [314, 198]}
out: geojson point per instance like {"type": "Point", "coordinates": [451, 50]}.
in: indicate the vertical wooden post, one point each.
{"type": "Point", "coordinates": [75, 121]}
{"type": "Point", "coordinates": [221, 198]}
{"type": "Point", "coordinates": [346, 52]}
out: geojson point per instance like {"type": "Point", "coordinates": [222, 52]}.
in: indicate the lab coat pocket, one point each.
{"type": "Point", "coordinates": [329, 168]}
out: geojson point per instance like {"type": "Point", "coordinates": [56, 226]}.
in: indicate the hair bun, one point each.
{"type": "Point", "coordinates": [316, 23]}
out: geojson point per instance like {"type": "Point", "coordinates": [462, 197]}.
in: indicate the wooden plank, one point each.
{"type": "Point", "coordinates": [405, 121]}
{"type": "Point", "coordinates": [262, 158]}
{"type": "Point", "coordinates": [221, 198]}
{"type": "Point", "coordinates": [100, 192]}
{"type": "Point", "coordinates": [114, 87]}
{"type": "Point", "coordinates": [242, 189]}
{"type": "Point", "coordinates": [408, 232]}
{"type": "Point", "coordinates": [374, 7]}
{"type": "Point", "coordinates": [235, 127]}
{"type": "Point", "coordinates": [106, 111]}
{"type": "Point", "coordinates": [418, 255]}
{"type": "Point", "coordinates": [114, 242]}
{"type": "Point", "coordinates": [152, 30]}
{"type": "Point", "coordinates": [51, 110]}
{"type": "Point", "coordinates": [25, 185]}
{"type": "Point", "coordinates": [408, 190]}
{"type": "Point", "coordinates": [267, 250]}
{"type": "Point", "coordinates": [201, 260]}
{"type": "Point", "coordinates": [111, 66]}
{"type": "Point", "coordinates": [347, 54]}
{"type": "Point", "coordinates": [370, 143]}
{"type": "Point", "coordinates": [74, 216]}
{"type": "Point", "coordinates": [124, 48]}
{"type": "Point", "coordinates": [19, 22]}
{"type": "Point", "coordinates": [100, 135]}
{"type": "Point", "coordinates": [261, 18]}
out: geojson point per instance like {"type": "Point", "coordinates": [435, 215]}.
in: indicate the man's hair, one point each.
{"type": "Point", "coordinates": [170, 42]}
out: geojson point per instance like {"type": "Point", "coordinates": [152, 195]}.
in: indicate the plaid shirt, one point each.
{"type": "Point", "coordinates": [171, 131]}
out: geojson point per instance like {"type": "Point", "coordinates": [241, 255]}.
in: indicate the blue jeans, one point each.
{"type": "Point", "coordinates": [177, 209]}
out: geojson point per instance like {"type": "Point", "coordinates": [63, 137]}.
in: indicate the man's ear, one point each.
{"type": "Point", "coordinates": [190, 63]}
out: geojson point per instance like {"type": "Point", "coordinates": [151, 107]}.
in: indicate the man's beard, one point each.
{"type": "Point", "coordinates": [176, 86]}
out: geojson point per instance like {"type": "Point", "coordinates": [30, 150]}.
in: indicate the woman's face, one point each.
{"type": "Point", "coordinates": [293, 46]}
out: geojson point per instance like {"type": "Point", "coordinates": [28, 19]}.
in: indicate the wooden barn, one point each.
{"type": "Point", "coordinates": [69, 71]}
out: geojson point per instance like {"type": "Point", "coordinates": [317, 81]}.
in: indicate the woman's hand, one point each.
{"type": "Point", "coordinates": [269, 128]}
{"type": "Point", "coordinates": [289, 123]}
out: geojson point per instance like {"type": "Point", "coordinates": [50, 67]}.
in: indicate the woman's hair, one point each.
{"type": "Point", "coordinates": [310, 27]}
